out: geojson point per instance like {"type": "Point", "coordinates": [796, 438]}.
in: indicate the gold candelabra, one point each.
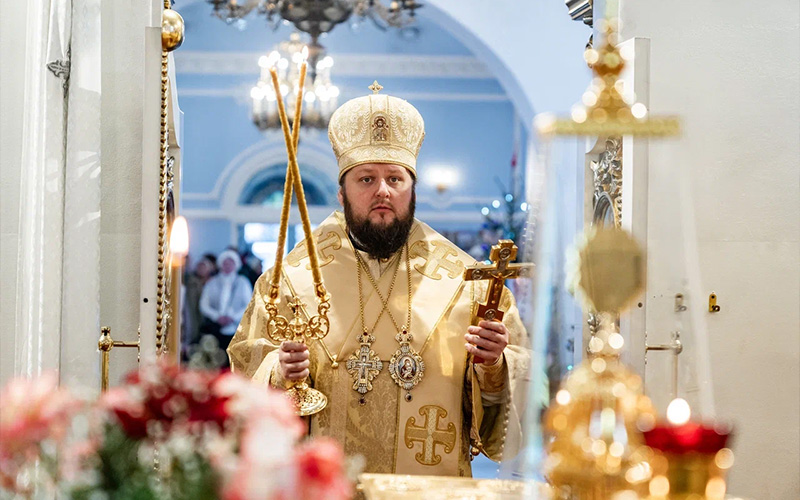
{"type": "Point", "coordinates": [597, 448]}
{"type": "Point", "coordinates": [301, 327]}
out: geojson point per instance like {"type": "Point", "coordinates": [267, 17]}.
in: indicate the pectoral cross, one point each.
{"type": "Point", "coordinates": [429, 434]}
{"type": "Point", "coordinates": [497, 273]}
{"type": "Point", "coordinates": [364, 365]}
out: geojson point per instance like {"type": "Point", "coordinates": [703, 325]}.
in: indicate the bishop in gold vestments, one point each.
{"type": "Point", "coordinates": [408, 402]}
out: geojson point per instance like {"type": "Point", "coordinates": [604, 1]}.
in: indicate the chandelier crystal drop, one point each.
{"type": "Point", "coordinates": [320, 94]}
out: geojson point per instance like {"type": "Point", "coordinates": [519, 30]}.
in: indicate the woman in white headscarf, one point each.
{"type": "Point", "coordinates": [225, 297]}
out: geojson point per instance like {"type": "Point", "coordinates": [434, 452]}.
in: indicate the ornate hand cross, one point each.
{"type": "Point", "coordinates": [497, 273]}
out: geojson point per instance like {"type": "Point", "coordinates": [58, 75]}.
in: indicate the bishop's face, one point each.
{"type": "Point", "coordinates": [378, 192]}
{"type": "Point", "coordinates": [378, 200]}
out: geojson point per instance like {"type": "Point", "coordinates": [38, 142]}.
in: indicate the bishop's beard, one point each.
{"type": "Point", "coordinates": [380, 242]}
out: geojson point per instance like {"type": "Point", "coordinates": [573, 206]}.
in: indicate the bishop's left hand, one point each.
{"type": "Point", "coordinates": [487, 341]}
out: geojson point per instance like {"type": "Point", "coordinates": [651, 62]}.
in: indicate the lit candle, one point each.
{"type": "Point", "coordinates": [678, 412]}
{"type": "Point", "coordinates": [179, 241]}
{"type": "Point", "coordinates": [179, 249]}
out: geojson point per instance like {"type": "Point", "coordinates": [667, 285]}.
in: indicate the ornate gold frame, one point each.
{"type": "Point", "coordinates": [606, 197]}
{"type": "Point", "coordinates": [607, 171]}
{"type": "Point", "coordinates": [168, 280]}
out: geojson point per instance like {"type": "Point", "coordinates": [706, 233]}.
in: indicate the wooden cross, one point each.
{"type": "Point", "coordinates": [429, 434]}
{"type": "Point", "coordinates": [497, 273]}
{"type": "Point", "coordinates": [435, 259]}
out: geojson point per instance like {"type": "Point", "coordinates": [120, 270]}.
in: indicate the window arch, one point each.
{"type": "Point", "coordinates": [266, 188]}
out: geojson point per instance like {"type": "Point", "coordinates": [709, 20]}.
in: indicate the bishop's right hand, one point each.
{"type": "Point", "coordinates": [293, 358]}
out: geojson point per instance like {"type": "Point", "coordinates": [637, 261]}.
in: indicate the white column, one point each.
{"type": "Point", "coordinates": [12, 87]}
{"type": "Point", "coordinates": [41, 223]}
{"type": "Point", "coordinates": [81, 265]}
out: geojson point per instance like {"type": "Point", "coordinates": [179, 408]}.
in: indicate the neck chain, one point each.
{"type": "Point", "coordinates": [406, 366]}
{"type": "Point", "coordinates": [361, 264]}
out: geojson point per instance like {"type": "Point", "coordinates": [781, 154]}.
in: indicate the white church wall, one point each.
{"type": "Point", "coordinates": [731, 72]}
{"type": "Point", "coordinates": [12, 55]}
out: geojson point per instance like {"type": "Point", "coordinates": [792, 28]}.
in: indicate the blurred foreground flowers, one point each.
{"type": "Point", "coordinates": [166, 434]}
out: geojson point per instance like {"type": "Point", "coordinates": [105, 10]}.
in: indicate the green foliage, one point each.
{"type": "Point", "coordinates": [122, 474]}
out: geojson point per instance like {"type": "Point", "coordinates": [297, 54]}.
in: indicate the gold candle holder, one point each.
{"type": "Point", "coordinates": [690, 459]}
{"type": "Point", "coordinates": [691, 476]}
{"type": "Point", "coordinates": [105, 344]}
{"type": "Point", "coordinates": [301, 327]}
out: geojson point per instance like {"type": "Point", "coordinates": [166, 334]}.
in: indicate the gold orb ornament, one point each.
{"type": "Point", "coordinates": [171, 30]}
{"type": "Point", "coordinates": [606, 270]}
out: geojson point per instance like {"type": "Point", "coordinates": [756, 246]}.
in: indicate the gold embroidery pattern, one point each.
{"type": "Point", "coordinates": [376, 127]}
{"type": "Point", "coordinates": [367, 429]}
{"type": "Point", "coordinates": [331, 241]}
{"type": "Point", "coordinates": [435, 259]}
{"type": "Point", "coordinates": [429, 434]}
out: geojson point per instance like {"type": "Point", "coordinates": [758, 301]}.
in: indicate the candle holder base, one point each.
{"type": "Point", "coordinates": [307, 401]}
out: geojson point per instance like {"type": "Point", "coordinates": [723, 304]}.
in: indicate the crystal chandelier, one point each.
{"type": "Point", "coordinates": [321, 96]}
{"type": "Point", "coordinates": [316, 17]}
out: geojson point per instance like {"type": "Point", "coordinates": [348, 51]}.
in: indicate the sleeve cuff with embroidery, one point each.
{"type": "Point", "coordinates": [491, 378]}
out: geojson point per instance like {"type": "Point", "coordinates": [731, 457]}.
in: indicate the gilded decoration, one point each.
{"type": "Point", "coordinates": [607, 169]}
{"type": "Point", "coordinates": [301, 327]}
{"type": "Point", "coordinates": [606, 269]}
{"type": "Point", "coordinates": [436, 258]}
{"type": "Point", "coordinates": [406, 366]}
{"type": "Point", "coordinates": [171, 37]}
{"type": "Point", "coordinates": [331, 241]}
{"type": "Point", "coordinates": [406, 487]}
{"type": "Point", "coordinates": [364, 365]}
{"type": "Point", "coordinates": [429, 434]}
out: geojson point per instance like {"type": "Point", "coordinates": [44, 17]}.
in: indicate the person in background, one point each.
{"type": "Point", "coordinates": [225, 298]}
{"type": "Point", "coordinates": [213, 260]}
{"type": "Point", "coordinates": [194, 282]}
{"type": "Point", "coordinates": [251, 268]}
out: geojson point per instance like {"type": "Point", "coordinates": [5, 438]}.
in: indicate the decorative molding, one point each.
{"type": "Point", "coordinates": [242, 94]}
{"type": "Point", "coordinates": [235, 175]}
{"type": "Point", "coordinates": [255, 158]}
{"type": "Point", "coordinates": [347, 65]}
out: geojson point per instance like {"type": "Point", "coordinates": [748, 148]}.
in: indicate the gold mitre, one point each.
{"type": "Point", "coordinates": [376, 128]}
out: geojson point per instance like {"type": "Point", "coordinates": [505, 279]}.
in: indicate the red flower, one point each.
{"type": "Point", "coordinates": [165, 395]}
{"type": "Point", "coordinates": [321, 472]}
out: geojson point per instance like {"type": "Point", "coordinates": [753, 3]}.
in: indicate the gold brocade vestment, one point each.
{"type": "Point", "coordinates": [432, 433]}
